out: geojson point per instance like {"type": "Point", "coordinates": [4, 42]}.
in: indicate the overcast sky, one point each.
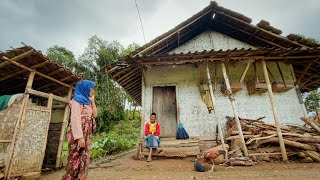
{"type": "Point", "coordinates": [69, 23]}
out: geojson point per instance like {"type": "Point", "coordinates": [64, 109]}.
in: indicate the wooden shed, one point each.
{"type": "Point", "coordinates": [217, 64]}
{"type": "Point", "coordinates": [28, 134]}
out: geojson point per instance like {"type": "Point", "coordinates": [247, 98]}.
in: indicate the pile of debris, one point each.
{"type": "Point", "coordinates": [302, 143]}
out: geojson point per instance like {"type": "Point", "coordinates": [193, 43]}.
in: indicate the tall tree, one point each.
{"type": "Point", "coordinates": [312, 101]}
{"type": "Point", "coordinates": [111, 98]}
{"type": "Point", "coordinates": [62, 56]}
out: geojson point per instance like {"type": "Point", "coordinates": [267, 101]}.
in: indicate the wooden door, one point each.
{"type": "Point", "coordinates": [165, 106]}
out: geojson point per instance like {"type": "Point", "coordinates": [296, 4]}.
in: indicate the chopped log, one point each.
{"type": "Point", "coordinates": [302, 155]}
{"type": "Point", "coordinates": [268, 150]}
{"type": "Point", "coordinates": [244, 132]}
{"type": "Point", "coordinates": [305, 139]}
{"type": "Point", "coordinates": [289, 143]}
{"type": "Point", "coordinates": [311, 124]}
{"type": "Point", "coordinates": [260, 138]}
{"type": "Point", "coordinates": [289, 134]}
{"type": "Point", "coordinates": [244, 136]}
{"type": "Point", "coordinates": [317, 147]}
{"type": "Point", "coordinates": [239, 159]}
{"type": "Point", "coordinates": [242, 163]}
{"type": "Point", "coordinates": [306, 160]}
{"type": "Point", "coordinates": [313, 155]}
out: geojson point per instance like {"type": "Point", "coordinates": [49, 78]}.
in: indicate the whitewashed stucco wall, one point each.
{"type": "Point", "coordinates": [192, 111]}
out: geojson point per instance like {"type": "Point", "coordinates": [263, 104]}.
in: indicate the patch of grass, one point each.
{"type": "Point", "coordinates": [121, 137]}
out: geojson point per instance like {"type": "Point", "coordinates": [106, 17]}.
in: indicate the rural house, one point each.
{"type": "Point", "coordinates": [219, 52]}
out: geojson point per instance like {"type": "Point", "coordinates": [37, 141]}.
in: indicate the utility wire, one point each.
{"type": "Point", "coordinates": [144, 37]}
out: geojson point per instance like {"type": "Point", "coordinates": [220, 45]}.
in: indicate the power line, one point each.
{"type": "Point", "coordinates": [144, 37]}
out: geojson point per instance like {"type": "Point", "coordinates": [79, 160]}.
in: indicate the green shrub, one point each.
{"type": "Point", "coordinates": [121, 137]}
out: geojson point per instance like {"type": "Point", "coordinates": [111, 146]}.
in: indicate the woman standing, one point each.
{"type": "Point", "coordinates": [83, 110]}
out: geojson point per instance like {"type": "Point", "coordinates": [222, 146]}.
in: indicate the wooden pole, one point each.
{"type": "Point", "coordinates": [143, 115]}
{"type": "Point", "coordinates": [63, 130]}
{"type": "Point", "coordinates": [18, 126]}
{"type": "Point", "coordinates": [235, 113]}
{"type": "Point", "coordinates": [43, 152]}
{"type": "Point", "coordinates": [275, 113]}
{"type": "Point", "coordinates": [311, 124]}
{"type": "Point", "coordinates": [215, 114]}
{"type": "Point", "coordinates": [244, 73]}
{"type": "Point", "coordinates": [303, 107]}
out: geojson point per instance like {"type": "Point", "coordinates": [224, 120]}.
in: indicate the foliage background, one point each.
{"type": "Point", "coordinates": [118, 121]}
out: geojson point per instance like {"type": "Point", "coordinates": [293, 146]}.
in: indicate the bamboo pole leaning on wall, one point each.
{"type": "Point", "coordinates": [63, 130]}
{"type": "Point", "coordinates": [234, 109]}
{"type": "Point", "coordinates": [298, 92]}
{"type": "Point", "coordinates": [275, 113]}
{"type": "Point", "coordinates": [216, 116]}
{"type": "Point", "coordinates": [18, 125]}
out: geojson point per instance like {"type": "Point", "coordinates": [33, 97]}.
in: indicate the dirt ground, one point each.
{"type": "Point", "coordinates": [128, 168]}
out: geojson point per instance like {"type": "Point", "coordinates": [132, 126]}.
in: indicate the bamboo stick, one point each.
{"type": "Point", "coordinates": [311, 124]}
{"type": "Point", "coordinates": [244, 73]}
{"type": "Point", "coordinates": [235, 113]}
{"type": "Point", "coordinates": [5, 141]}
{"type": "Point", "coordinates": [18, 125]}
{"type": "Point", "coordinates": [63, 130]}
{"type": "Point", "coordinates": [275, 113]}
{"type": "Point", "coordinates": [49, 107]}
{"type": "Point", "coordinates": [289, 143]}
{"type": "Point", "coordinates": [214, 113]}
{"type": "Point", "coordinates": [260, 138]}
{"type": "Point", "coordinates": [143, 114]}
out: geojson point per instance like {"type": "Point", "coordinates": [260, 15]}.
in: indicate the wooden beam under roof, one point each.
{"type": "Point", "coordinates": [126, 75]}
{"type": "Point", "coordinates": [304, 71]}
{"type": "Point", "coordinates": [16, 58]}
{"type": "Point", "coordinates": [23, 70]}
{"type": "Point", "coordinates": [227, 58]}
{"type": "Point", "coordinates": [124, 71]}
{"type": "Point", "coordinates": [38, 73]}
{"type": "Point", "coordinates": [50, 84]}
{"type": "Point", "coordinates": [134, 78]}
{"type": "Point", "coordinates": [38, 78]}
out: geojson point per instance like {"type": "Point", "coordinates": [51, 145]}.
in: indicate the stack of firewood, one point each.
{"type": "Point", "coordinates": [302, 142]}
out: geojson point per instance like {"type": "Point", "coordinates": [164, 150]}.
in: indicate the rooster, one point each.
{"type": "Point", "coordinates": [208, 156]}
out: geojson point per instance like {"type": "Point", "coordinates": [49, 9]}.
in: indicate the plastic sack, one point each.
{"type": "Point", "coordinates": [181, 132]}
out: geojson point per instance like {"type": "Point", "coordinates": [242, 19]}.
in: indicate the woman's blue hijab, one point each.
{"type": "Point", "coordinates": [82, 91]}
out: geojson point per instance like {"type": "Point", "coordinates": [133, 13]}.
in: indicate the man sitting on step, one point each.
{"type": "Point", "coordinates": [152, 132]}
